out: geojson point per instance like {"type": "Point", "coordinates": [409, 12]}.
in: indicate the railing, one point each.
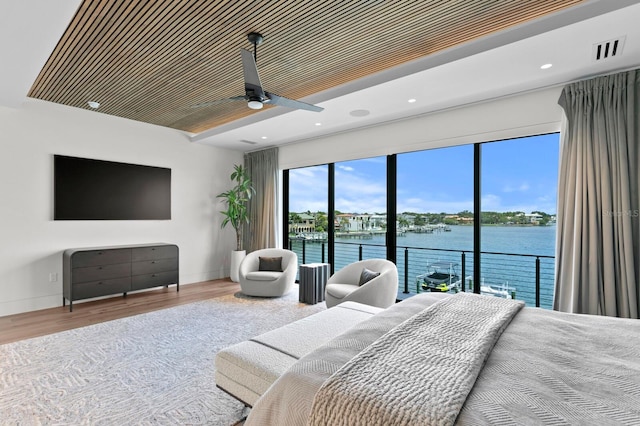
{"type": "Point", "coordinates": [530, 276]}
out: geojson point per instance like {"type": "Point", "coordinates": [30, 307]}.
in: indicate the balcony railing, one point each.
{"type": "Point", "coordinates": [529, 277]}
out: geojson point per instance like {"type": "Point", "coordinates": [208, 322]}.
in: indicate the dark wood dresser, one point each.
{"type": "Point", "coordinates": [102, 271]}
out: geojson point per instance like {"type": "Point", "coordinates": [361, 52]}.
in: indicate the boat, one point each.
{"type": "Point", "coordinates": [440, 277]}
{"type": "Point", "coordinates": [503, 291]}
{"type": "Point", "coordinates": [492, 291]}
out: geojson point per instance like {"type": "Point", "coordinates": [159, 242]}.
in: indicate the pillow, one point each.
{"type": "Point", "coordinates": [367, 276]}
{"type": "Point", "coordinates": [273, 264]}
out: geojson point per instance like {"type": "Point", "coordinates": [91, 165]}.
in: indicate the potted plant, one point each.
{"type": "Point", "coordinates": [236, 213]}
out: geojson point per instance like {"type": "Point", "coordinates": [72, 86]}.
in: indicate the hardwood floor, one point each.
{"type": "Point", "coordinates": [53, 320]}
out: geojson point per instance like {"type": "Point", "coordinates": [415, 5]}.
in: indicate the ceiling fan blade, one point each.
{"type": "Point", "coordinates": [251, 77]}
{"type": "Point", "coordinates": [219, 101]}
{"type": "Point", "coordinates": [291, 103]}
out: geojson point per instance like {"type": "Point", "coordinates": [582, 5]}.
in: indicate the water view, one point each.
{"type": "Point", "coordinates": [503, 272]}
{"type": "Point", "coordinates": [514, 180]}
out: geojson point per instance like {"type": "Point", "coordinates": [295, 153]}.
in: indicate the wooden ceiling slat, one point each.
{"type": "Point", "coordinates": [180, 70]}
{"type": "Point", "coordinates": [161, 80]}
{"type": "Point", "coordinates": [91, 62]}
{"type": "Point", "coordinates": [237, 88]}
{"type": "Point", "coordinates": [131, 56]}
{"type": "Point", "coordinates": [165, 41]}
{"type": "Point", "coordinates": [57, 58]}
{"type": "Point", "coordinates": [86, 58]}
{"type": "Point", "coordinates": [151, 60]}
{"type": "Point", "coordinates": [241, 107]}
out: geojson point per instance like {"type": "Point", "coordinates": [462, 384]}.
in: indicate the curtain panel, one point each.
{"type": "Point", "coordinates": [598, 223]}
{"type": "Point", "coordinates": [262, 167]}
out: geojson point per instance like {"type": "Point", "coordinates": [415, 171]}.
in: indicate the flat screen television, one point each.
{"type": "Point", "coordinates": [88, 189]}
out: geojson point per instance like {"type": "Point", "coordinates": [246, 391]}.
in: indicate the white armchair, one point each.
{"type": "Point", "coordinates": [268, 283]}
{"type": "Point", "coordinates": [380, 291]}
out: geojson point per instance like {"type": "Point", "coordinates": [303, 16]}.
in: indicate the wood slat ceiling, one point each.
{"type": "Point", "coordinates": [152, 60]}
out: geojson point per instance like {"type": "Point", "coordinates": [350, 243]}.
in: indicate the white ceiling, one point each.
{"type": "Point", "coordinates": [496, 66]}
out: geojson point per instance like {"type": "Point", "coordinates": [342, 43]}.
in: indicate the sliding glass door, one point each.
{"type": "Point", "coordinates": [435, 226]}
{"type": "Point", "coordinates": [308, 225]}
{"type": "Point", "coordinates": [519, 186]}
{"type": "Point", "coordinates": [360, 210]}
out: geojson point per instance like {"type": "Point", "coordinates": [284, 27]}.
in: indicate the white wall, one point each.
{"type": "Point", "coordinates": [31, 242]}
{"type": "Point", "coordinates": [515, 116]}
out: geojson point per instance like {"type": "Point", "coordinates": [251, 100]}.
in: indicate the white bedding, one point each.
{"type": "Point", "coordinates": [288, 401]}
{"type": "Point", "coordinates": [398, 380]}
{"type": "Point", "coordinates": [547, 368]}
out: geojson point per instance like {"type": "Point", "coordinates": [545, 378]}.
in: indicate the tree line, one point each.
{"type": "Point", "coordinates": [407, 219]}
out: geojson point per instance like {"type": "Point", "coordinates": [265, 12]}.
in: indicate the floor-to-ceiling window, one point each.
{"type": "Point", "coordinates": [519, 185]}
{"type": "Point", "coordinates": [308, 213]}
{"type": "Point", "coordinates": [420, 209]}
{"type": "Point", "coordinates": [434, 216]}
{"type": "Point", "coordinates": [360, 210]}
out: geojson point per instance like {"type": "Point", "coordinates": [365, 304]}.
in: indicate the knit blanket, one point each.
{"type": "Point", "coordinates": [380, 385]}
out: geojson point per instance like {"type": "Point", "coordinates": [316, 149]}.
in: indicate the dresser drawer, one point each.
{"type": "Point", "coordinates": [100, 257]}
{"type": "Point", "coordinates": [97, 273]}
{"type": "Point", "coordinates": [152, 266]}
{"type": "Point", "coordinates": [151, 253]}
{"type": "Point", "coordinates": [101, 288]}
{"type": "Point", "coordinates": [139, 282]}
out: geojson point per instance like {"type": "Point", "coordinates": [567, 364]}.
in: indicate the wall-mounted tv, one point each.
{"type": "Point", "coordinates": [87, 189]}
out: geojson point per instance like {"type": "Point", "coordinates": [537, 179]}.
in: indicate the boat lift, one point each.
{"type": "Point", "coordinates": [440, 277]}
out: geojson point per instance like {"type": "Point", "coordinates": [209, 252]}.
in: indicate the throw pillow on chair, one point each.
{"type": "Point", "coordinates": [367, 275]}
{"type": "Point", "coordinates": [270, 264]}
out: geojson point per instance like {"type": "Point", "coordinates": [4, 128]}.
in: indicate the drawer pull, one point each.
{"type": "Point", "coordinates": [154, 275]}
{"type": "Point", "coordinates": [100, 283]}
{"type": "Point", "coordinates": [99, 267]}
{"type": "Point", "coordinates": [153, 261]}
{"type": "Point", "coordinates": [99, 252]}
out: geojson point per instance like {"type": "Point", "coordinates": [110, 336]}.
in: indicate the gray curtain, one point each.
{"type": "Point", "coordinates": [261, 231]}
{"type": "Point", "coordinates": [598, 240]}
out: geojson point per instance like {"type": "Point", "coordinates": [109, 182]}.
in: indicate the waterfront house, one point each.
{"type": "Point", "coordinates": [305, 223]}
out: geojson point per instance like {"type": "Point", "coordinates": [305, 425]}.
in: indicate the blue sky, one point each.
{"type": "Point", "coordinates": [517, 175]}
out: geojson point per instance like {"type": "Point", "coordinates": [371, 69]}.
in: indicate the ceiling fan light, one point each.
{"type": "Point", "coordinates": [255, 104]}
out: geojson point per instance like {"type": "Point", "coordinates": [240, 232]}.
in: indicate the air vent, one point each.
{"type": "Point", "coordinates": [248, 142]}
{"type": "Point", "coordinates": [608, 49]}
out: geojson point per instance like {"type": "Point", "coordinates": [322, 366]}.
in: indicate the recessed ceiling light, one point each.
{"type": "Point", "coordinates": [318, 124]}
{"type": "Point", "coordinates": [359, 113]}
{"type": "Point", "coordinates": [94, 104]}
{"type": "Point", "coordinates": [264, 137]}
{"type": "Point", "coordinates": [546, 66]}
{"type": "Point", "coordinates": [411, 100]}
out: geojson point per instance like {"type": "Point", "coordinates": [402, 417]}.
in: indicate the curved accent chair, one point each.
{"type": "Point", "coordinates": [274, 278]}
{"type": "Point", "coordinates": [380, 291]}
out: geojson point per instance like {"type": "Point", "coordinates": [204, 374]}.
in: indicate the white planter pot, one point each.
{"type": "Point", "coordinates": [236, 258]}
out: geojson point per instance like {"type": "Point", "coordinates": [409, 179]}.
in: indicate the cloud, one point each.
{"type": "Point", "coordinates": [346, 168]}
{"type": "Point", "coordinates": [491, 202]}
{"type": "Point", "coordinates": [434, 206]}
{"type": "Point", "coordinates": [523, 187]}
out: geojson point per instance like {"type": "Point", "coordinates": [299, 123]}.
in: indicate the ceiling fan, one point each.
{"type": "Point", "coordinates": [255, 95]}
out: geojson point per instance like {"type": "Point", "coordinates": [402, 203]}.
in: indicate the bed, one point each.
{"type": "Point", "coordinates": [464, 359]}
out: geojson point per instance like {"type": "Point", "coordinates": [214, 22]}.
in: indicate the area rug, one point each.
{"type": "Point", "coordinates": [151, 369]}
